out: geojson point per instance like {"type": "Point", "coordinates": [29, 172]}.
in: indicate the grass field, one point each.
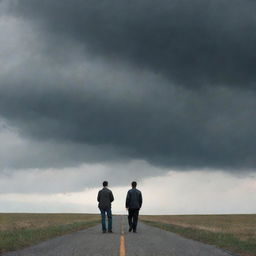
{"type": "Point", "coordinates": [236, 233]}
{"type": "Point", "coordinates": [18, 230]}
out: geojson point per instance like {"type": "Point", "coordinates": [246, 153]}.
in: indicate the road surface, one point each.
{"type": "Point", "coordinates": [148, 241]}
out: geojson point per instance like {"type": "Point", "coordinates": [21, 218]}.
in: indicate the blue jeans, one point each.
{"type": "Point", "coordinates": [103, 219]}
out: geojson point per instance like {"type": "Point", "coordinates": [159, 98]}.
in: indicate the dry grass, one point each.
{"type": "Point", "coordinates": [234, 232]}
{"type": "Point", "coordinates": [242, 226]}
{"type": "Point", "coordinates": [15, 221]}
{"type": "Point", "coordinates": [18, 230]}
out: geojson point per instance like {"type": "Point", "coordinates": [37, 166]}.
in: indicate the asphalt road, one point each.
{"type": "Point", "coordinates": [148, 241]}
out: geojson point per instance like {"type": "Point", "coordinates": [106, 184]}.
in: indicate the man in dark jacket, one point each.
{"type": "Point", "coordinates": [105, 197]}
{"type": "Point", "coordinates": [133, 205]}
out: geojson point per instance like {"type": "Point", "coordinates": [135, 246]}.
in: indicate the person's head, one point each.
{"type": "Point", "coordinates": [134, 184]}
{"type": "Point", "coordinates": [105, 183]}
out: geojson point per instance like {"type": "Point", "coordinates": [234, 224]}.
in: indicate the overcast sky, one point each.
{"type": "Point", "coordinates": [159, 92]}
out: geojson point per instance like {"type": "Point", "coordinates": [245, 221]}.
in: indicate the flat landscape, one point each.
{"type": "Point", "coordinates": [236, 233]}
{"type": "Point", "coordinates": [18, 230]}
{"type": "Point", "coordinates": [148, 241]}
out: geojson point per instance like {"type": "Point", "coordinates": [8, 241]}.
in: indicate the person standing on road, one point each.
{"type": "Point", "coordinates": [105, 198]}
{"type": "Point", "coordinates": [133, 205]}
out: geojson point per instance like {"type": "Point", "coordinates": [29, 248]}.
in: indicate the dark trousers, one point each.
{"type": "Point", "coordinates": [133, 218]}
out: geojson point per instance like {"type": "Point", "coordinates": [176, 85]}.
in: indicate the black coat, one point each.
{"type": "Point", "coordinates": [133, 199]}
{"type": "Point", "coordinates": [105, 197]}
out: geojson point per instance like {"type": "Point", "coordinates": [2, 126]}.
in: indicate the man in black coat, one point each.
{"type": "Point", "coordinates": [133, 205]}
{"type": "Point", "coordinates": [105, 198]}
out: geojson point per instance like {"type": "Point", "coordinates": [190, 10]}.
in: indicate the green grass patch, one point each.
{"type": "Point", "coordinates": [17, 239]}
{"type": "Point", "coordinates": [222, 240]}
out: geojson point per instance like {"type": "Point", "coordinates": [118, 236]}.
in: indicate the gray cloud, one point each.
{"type": "Point", "coordinates": [77, 178]}
{"type": "Point", "coordinates": [190, 42]}
{"type": "Point", "coordinates": [19, 153]}
{"type": "Point", "coordinates": [122, 80]}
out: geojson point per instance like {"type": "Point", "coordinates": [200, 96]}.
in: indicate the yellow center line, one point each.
{"type": "Point", "coordinates": [122, 245]}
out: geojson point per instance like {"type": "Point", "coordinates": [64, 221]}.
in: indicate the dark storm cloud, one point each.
{"type": "Point", "coordinates": [191, 42]}
{"type": "Point", "coordinates": [123, 75]}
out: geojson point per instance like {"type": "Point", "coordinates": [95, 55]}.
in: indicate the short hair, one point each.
{"type": "Point", "coordinates": [105, 183]}
{"type": "Point", "coordinates": [134, 184]}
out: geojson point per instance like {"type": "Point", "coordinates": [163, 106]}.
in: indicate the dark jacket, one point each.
{"type": "Point", "coordinates": [133, 199]}
{"type": "Point", "coordinates": [105, 197]}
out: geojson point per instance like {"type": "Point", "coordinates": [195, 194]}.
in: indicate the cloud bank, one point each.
{"type": "Point", "coordinates": [170, 83]}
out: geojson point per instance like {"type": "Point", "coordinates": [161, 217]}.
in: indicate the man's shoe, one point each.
{"type": "Point", "coordinates": [130, 229]}
{"type": "Point", "coordinates": [103, 231]}
{"type": "Point", "coordinates": [134, 231]}
{"type": "Point", "coordinates": [110, 231]}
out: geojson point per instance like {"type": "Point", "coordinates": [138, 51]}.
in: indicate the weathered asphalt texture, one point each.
{"type": "Point", "coordinates": [148, 241]}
